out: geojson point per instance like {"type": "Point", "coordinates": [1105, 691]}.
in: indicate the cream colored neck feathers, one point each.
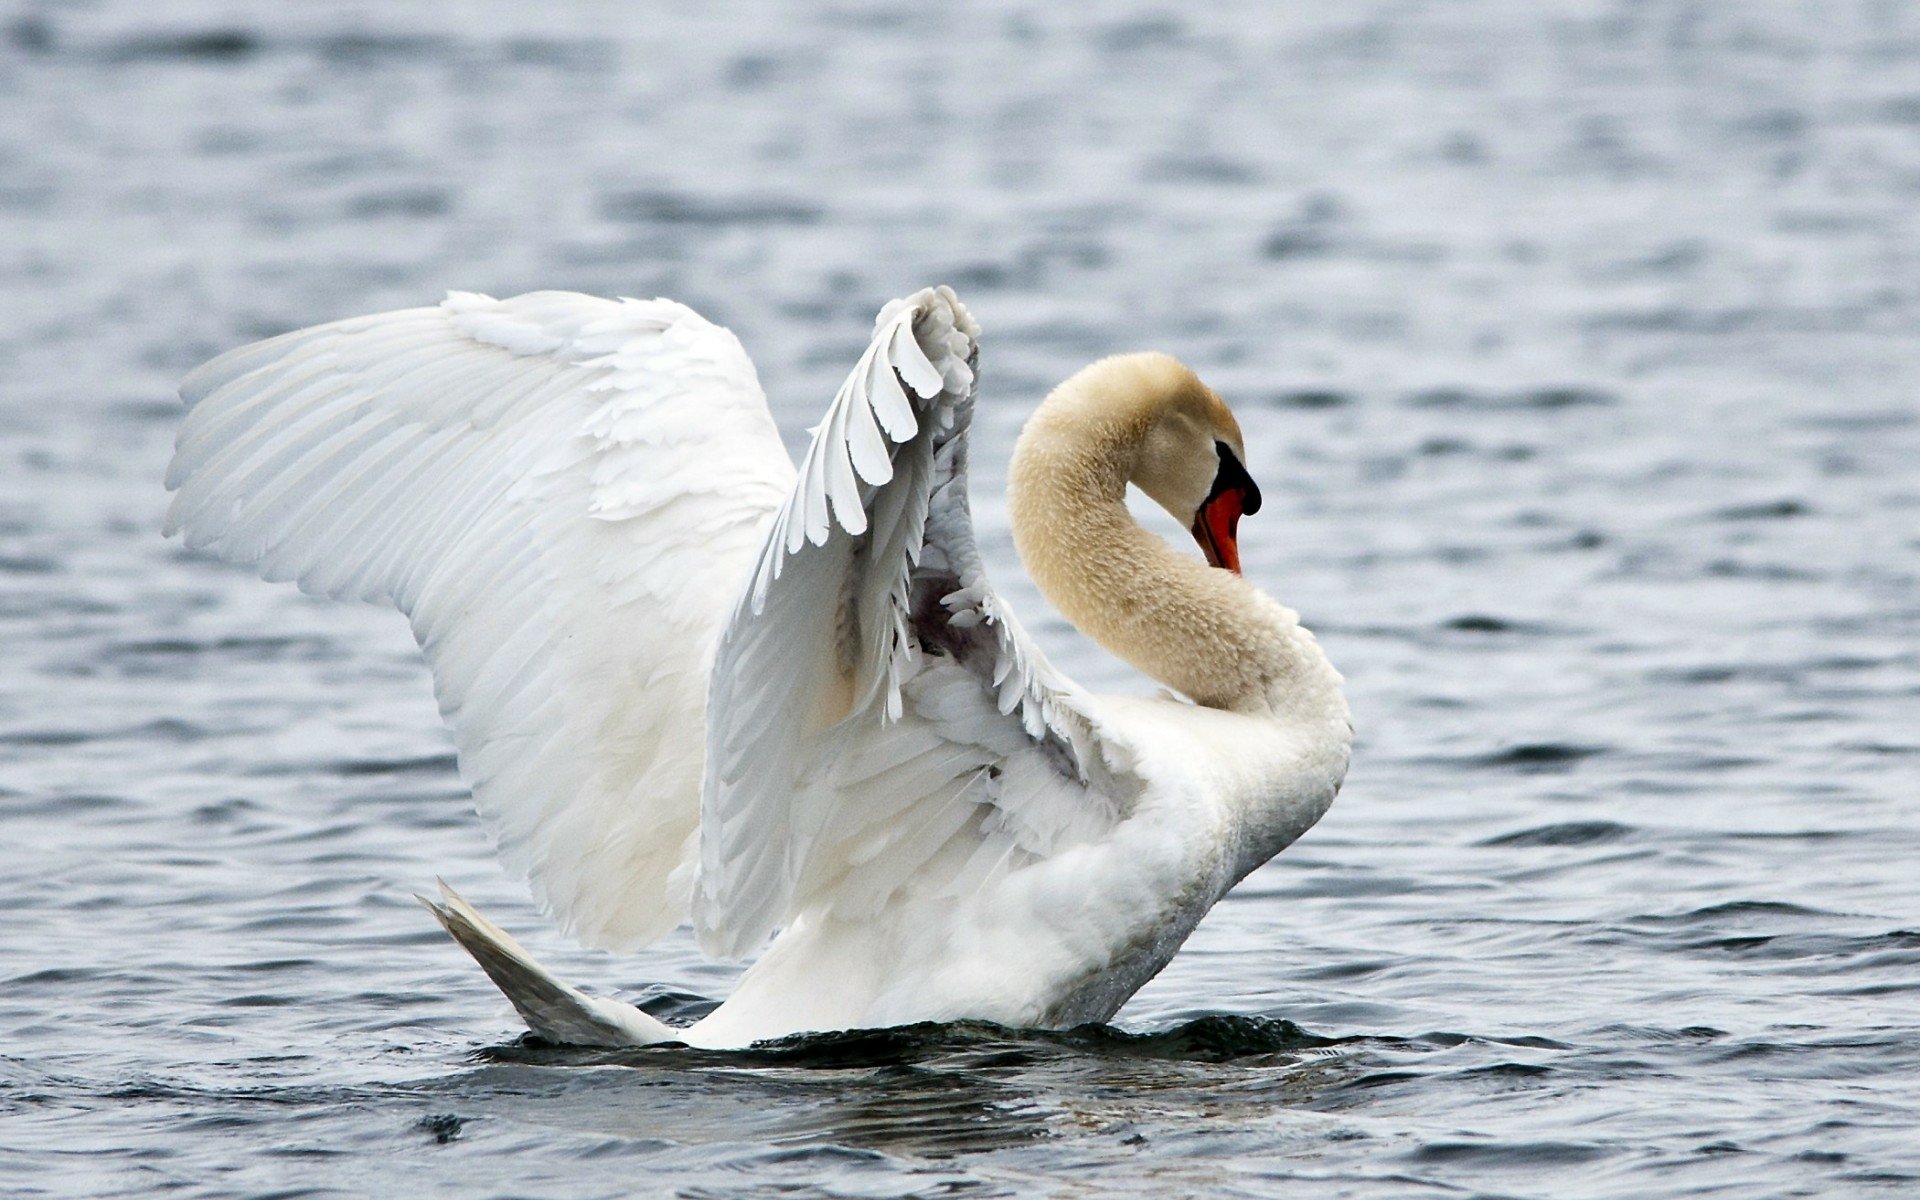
{"type": "Point", "coordinates": [1202, 631]}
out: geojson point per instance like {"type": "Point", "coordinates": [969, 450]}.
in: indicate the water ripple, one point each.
{"type": "Point", "coordinates": [1576, 357]}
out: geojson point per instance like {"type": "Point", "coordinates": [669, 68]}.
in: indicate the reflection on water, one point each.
{"type": "Point", "coordinates": [924, 1091]}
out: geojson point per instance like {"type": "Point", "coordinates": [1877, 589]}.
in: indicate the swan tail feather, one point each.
{"type": "Point", "coordinates": [554, 1010]}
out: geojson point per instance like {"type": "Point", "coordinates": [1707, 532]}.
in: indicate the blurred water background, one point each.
{"type": "Point", "coordinates": [1576, 346]}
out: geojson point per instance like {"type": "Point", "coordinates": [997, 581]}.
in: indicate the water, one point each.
{"type": "Point", "coordinates": [1577, 355]}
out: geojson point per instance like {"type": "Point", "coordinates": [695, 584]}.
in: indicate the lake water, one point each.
{"type": "Point", "coordinates": [1577, 347]}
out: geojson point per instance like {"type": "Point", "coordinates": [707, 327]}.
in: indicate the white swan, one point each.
{"type": "Point", "coordinates": [687, 682]}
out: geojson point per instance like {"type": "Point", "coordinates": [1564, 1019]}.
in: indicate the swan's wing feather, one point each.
{"type": "Point", "coordinates": [561, 492]}
{"type": "Point", "coordinates": [878, 720]}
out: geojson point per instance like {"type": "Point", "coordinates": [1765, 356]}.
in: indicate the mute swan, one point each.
{"type": "Point", "coordinates": [690, 683]}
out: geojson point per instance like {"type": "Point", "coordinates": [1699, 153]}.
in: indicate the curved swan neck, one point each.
{"type": "Point", "coordinates": [1203, 632]}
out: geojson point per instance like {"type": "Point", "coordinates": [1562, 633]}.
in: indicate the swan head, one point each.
{"type": "Point", "coordinates": [1189, 457]}
{"type": "Point", "coordinates": [1148, 421]}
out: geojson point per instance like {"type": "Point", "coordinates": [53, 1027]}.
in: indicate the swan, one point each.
{"type": "Point", "coordinates": [690, 682]}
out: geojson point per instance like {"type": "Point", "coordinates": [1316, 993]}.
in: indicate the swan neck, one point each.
{"type": "Point", "coordinates": [1203, 632]}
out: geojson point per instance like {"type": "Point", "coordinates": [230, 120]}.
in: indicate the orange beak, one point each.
{"type": "Point", "coordinates": [1217, 525]}
{"type": "Point", "coordinates": [1217, 528]}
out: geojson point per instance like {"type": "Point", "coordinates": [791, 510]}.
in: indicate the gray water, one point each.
{"type": "Point", "coordinates": [1577, 348]}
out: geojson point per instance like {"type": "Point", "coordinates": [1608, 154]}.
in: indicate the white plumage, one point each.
{"type": "Point", "coordinates": [688, 681]}
{"type": "Point", "coordinates": [554, 489]}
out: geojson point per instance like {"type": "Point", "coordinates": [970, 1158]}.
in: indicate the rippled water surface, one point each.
{"type": "Point", "coordinates": [1577, 348]}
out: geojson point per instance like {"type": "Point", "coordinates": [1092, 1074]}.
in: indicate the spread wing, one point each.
{"type": "Point", "coordinates": [879, 725]}
{"type": "Point", "coordinates": [555, 489]}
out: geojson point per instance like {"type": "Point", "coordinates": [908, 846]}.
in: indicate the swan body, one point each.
{"type": "Point", "coordinates": [689, 681]}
